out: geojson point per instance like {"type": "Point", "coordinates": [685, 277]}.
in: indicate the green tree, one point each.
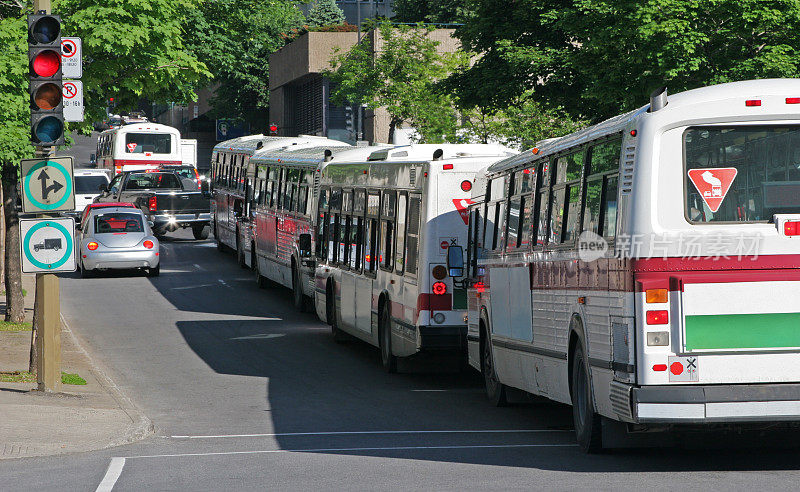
{"type": "Point", "coordinates": [234, 38]}
{"type": "Point", "coordinates": [400, 75]}
{"type": "Point", "coordinates": [15, 144]}
{"type": "Point", "coordinates": [325, 13]}
{"type": "Point", "coordinates": [133, 49]}
{"type": "Point", "coordinates": [433, 11]}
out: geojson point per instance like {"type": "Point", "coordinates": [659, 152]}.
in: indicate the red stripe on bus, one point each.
{"type": "Point", "coordinates": [434, 302]}
{"type": "Point", "coordinates": [745, 262]}
{"type": "Point", "coordinates": [675, 281]}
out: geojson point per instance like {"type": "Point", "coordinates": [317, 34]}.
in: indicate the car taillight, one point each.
{"type": "Point", "coordinates": [92, 246]}
{"type": "Point", "coordinates": [439, 288]}
{"type": "Point", "coordinates": [657, 317]}
{"type": "Point", "coordinates": [148, 244]}
{"type": "Point", "coordinates": [151, 203]}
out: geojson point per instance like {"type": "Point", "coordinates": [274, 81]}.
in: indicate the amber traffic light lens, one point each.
{"type": "Point", "coordinates": [47, 97]}
{"type": "Point", "coordinates": [46, 63]}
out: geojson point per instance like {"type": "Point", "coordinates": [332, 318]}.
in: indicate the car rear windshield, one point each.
{"type": "Point", "coordinates": [185, 172]}
{"type": "Point", "coordinates": [118, 222]}
{"type": "Point", "coordinates": [157, 143]}
{"type": "Point", "coordinates": [89, 185]}
{"type": "Point", "coordinates": [149, 181]}
{"type": "Point", "coordinates": [741, 173]}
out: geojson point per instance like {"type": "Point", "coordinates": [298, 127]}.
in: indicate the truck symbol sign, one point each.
{"type": "Point", "coordinates": [54, 244]}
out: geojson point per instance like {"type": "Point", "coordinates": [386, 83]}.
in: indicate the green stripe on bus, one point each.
{"type": "Point", "coordinates": [742, 331]}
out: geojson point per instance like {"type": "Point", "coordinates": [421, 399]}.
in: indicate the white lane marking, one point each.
{"type": "Point", "coordinates": [223, 283]}
{"type": "Point", "coordinates": [112, 475]}
{"type": "Point", "coordinates": [198, 266]}
{"type": "Point", "coordinates": [260, 336]}
{"type": "Point", "coordinates": [331, 450]}
{"type": "Point", "coordinates": [193, 286]}
{"type": "Point", "coordinates": [387, 432]}
{"type": "Point", "coordinates": [429, 391]}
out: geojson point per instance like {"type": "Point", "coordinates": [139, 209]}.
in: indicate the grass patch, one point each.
{"type": "Point", "coordinates": [24, 293]}
{"type": "Point", "coordinates": [27, 377]}
{"type": "Point", "coordinates": [9, 326]}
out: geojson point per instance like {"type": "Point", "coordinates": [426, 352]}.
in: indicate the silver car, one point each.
{"type": "Point", "coordinates": [117, 238]}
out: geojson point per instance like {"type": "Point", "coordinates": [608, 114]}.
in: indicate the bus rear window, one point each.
{"type": "Point", "coordinates": [742, 173]}
{"type": "Point", "coordinates": [139, 143]}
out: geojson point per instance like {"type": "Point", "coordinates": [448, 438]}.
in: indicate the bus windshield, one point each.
{"type": "Point", "coordinates": [139, 143]}
{"type": "Point", "coordinates": [766, 180]}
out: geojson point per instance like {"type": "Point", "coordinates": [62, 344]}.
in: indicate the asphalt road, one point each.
{"type": "Point", "coordinates": [248, 394]}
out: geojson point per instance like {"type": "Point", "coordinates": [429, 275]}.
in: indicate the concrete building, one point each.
{"type": "Point", "coordinates": [300, 95]}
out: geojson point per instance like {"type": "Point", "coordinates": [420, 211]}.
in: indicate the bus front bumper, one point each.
{"type": "Point", "coordinates": [716, 403]}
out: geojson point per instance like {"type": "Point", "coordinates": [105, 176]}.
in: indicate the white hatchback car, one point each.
{"type": "Point", "coordinates": [118, 238]}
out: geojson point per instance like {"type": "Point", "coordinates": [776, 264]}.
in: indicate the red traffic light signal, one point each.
{"type": "Point", "coordinates": [273, 129]}
{"type": "Point", "coordinates": [44, 79]}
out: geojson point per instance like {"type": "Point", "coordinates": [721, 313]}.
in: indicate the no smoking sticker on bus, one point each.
{"type": "Point", "coordinates": [713, 184]}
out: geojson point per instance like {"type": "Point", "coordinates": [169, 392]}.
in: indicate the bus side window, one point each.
{"type": "Point", "coordinates": [489, 226]}
{"type": "Point", "coordinates": [332, 219]}
{"type": "Point", "coordinates": [401, 233]}
{"type": "Point", "coordinates": [499, 226]}
{"type": "Point", "coordinates": [412, 234]}
{"type": "Point", "coordinates": [601, 189]}
{"type": "Point", "coordinates": [388, 205]}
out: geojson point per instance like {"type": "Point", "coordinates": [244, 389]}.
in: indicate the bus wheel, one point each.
{"type": "Point", "coordinates": [495, 390]}
{"type": "Point", "coordinates": [262, 281]}
{"type": "Point", "coordinates": [388, 360]}
{"type": "Point", "coordinates": [240, 252]}
{"type": "Point", "coordinates": [330, 314]}
{"type": "Point", "coordinates": [297, 291]}
{"type": "Point", "coordinates": [200, 232]}
{"type": "Point", "coordinates": [587, 422]}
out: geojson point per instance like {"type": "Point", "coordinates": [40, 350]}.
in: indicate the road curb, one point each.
{"type": "Point", "coordinates": [141, 426]}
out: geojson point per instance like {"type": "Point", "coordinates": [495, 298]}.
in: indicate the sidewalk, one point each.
{"type": "Point", "coordinates": [80, 418]}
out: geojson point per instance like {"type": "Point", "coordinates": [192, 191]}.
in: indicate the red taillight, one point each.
{"type": "Point", "coordinates": [466, 185]}
{"type": "Point", "coordinates": [657, 317]}
{"type": "Point", "coordinates": [447, 166]}
{"type": "Point", "coordinates": [660, 367]}
{"type": "Point", "coordinates": [480, 287]}
{"type": "Point", "coordinates": [92, 246]}
{"type": "Point", "coordinates": [752, 102]}
{"type": "Point", "coordinates": [439, 288]}
{"type": "Point", "coordinates": [152, 204]}
{"type": "Point", "coordinates": [148, 244]}
{"type": "Point", "coordinates": [791, 228]}
{"type": "Point", "coordinates": [793, 100]}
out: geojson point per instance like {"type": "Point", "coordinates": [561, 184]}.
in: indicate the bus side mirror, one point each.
{"type": "Point", "coordinates": [455, 261]}
{"type": "Point", "coordinates": [304, 244]}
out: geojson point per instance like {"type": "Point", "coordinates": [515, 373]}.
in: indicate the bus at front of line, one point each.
{"type": "Point", "coordinates": [283, 200]}
{"type": "Point", "coordinates": [232, 181]}
{"type": "Point", "coordinates": [138, 147]}
{"type": "Point", "coordinates": [383, 226]}
{"type": "Point", "coordinates": [645, 270]}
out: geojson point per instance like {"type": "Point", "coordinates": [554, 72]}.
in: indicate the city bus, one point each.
{"type": "Point", "coordinates": [383, 226]}
{"type": "Point", "coordinates": [646, 269]}
{"type": "Point", "coordinates": [283, 198]}
{"type": "Point", "coordinates": [137, 147]}
{"type": "Point", "coordinates": [232, 177]}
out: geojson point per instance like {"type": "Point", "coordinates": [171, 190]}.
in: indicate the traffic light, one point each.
{"type": "Point", "coordinates": [273, 129]}
{"type": "Point", "coordinates": [45, 85]}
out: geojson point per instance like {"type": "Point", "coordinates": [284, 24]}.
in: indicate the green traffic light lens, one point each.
{"type": "Point", "coordinates": [45, 30]}
{"type": "Point", "coordinates": [49, 129]}
{"type": "Point", "coordinates": [47, 96]}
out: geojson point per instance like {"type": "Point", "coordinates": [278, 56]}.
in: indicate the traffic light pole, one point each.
{"type": "Point", "coordinates": [46, 333]}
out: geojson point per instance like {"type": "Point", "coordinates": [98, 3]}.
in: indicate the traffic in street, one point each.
{"type": "Point", "coordinates": [247, 393]}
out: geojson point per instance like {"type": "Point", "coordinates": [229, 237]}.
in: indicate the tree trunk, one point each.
{"type": "Point", "coordinates": [15, 303]}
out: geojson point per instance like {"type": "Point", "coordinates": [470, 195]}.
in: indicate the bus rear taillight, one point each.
{"type": "Point", "coordinates": [657, 317]}
{"type": "Point", "coordinates": [439, 288]}
{"type": "Point", "coordinates": [466, 185]}
{"type": "Point", "coordinates": [152, 204]}
{"type": "Point", "coordinates": [656, 295]}
{"type": "Point", "coordinates": [791, 228]}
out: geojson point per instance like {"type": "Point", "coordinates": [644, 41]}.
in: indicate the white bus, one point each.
{"type": "Point", "coordinates": [139, 146]}
{"type": "Point", "coordinates": [383, 227]}
{"type": "Point", "coordinates": [645, 269]}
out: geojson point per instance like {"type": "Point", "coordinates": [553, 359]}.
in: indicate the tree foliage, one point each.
{"type": "Point", "coordinates": [234, 39]}
{"type": "Point", "coordinates": [601, 57]}
{"type": "Point", "coordinates": [325, 13]}
{"type": "Point", "coordinates": [133, 49]}
{"type": "Point", "coordinates": [400, 75]}
{"type": "Point", "coordinates": [15, 132]}
{"type": "Point", "coordinates": [433, 11]}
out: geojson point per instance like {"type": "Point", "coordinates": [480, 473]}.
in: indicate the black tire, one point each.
{"type": "Point", "coordinates": [154, 272]}
{"type": "Point", "coordinates": [388, 360]}
{"type": "Point", "coordinates": [330, 317]}
{"type": "Point", "coordinates": [240, 252]}
{"type": "Point", "coordinates": [587, 423]}
{"type": "Point", "coordinates": [200, 232]}
{"type": "Point", "coordinates": [298, 298]}
{"type": "Point", "coordinates": [495, 390]}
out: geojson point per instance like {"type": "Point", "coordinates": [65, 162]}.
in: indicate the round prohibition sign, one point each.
{"type": "Point", "coordinates": [26, 243]}
{"type": "Point", "coordinates": [68, 48]}
{"type": "Point", "coordinates": [67, 186]}
{"type": "Point", "coordinates": [70, 90]}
